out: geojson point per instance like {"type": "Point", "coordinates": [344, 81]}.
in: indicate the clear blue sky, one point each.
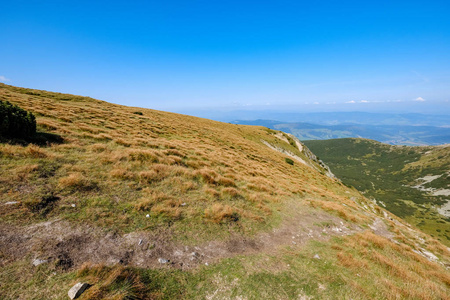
{"type": "Point", "coordinates": [174, 55]}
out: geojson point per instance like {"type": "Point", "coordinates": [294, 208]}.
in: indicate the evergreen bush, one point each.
{"type": "Point", "coordinates": [16, 122]}
{"type": "Point", "coordinates": [289, 161]}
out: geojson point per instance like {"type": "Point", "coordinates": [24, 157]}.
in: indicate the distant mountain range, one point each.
{"type": "Point", "coordinates": [385, 129]}
{"type": "Point", "coordinates": [326, 118]}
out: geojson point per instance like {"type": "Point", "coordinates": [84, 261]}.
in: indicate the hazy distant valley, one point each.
{"type": "Point", "coordinates": [407, 129]}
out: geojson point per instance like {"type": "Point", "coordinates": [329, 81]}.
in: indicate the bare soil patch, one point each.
{"type": "Point", "coordinates": [69, 246]}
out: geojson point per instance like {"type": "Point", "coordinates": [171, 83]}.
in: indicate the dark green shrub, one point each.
{"type": "Point", "coordinates": [16, 122]}
{"type": "Point", "coordinates": [289, 161]}
{"type": "Point", "coordinates": [234, 217]}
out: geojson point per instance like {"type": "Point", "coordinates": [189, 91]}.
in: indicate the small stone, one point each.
{"type": "Point", "coordinates": [163, 261]}
{"type": "Point", "coordinates": [194, 255]}
{"type": "Point", "coordinates": [38, 262]}
{"type": "Point", "coordinates": [316, 256]}
{"type": "Point", "coordinates": [77, 290]}
{"type": "Point", "coordinates": [147, 216]}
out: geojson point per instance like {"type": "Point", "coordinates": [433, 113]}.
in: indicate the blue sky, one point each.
{"type": "Point", "coordinates": [188, 55]}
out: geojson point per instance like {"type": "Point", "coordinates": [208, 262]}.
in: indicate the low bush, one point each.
{"type": "Point", "coordinates": [289, 161]}
{"type": "Point", "coordinates": [16, 122]}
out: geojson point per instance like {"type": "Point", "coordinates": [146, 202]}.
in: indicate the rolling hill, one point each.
{"type": "Point", "coordinates": [411, 182]}
{"type": "Point", "coordinates": [145, 204]}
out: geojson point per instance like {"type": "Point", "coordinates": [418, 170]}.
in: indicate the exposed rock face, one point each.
{"type": "Point", "coordinates": [305, 150]}
{"type": "Point", "coordinates": [77, 290]}
{"type": "Point", "coordinates": [322, 167]}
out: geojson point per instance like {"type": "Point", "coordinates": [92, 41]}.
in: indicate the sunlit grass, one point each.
{"type": "Point", "coordinates": [124, 172]}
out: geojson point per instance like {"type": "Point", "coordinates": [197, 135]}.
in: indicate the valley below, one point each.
{"type": "Point", "coordinates": [411, 182]}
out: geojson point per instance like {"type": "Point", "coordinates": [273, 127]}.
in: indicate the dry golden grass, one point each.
{"type": "Point", "coordinates": [211, 192]}
{"type": "Point", "coordinates": [188, 172]}
{"type": "Point", "coordinates": [47, 124]}
{"type": "Point", "coordinates": [219, 212]}
{"type": "Point", "coordinates": [223, 181]}
{"type": "Point", "coordinates": [230, 192]}
{"type": "Point", "coordinates": [7, 150]}
{"type": "Point", "coordinates": [118, 283]}
{"type": "Point", "coordinates": [347, 260]}
{"type": "Point", "coordinates": [73, 180]}
{"type": "Point", "coordinates": [121, 173]}
{"type": "Point", "coordinates": [77, 181]}
{"type": "Point", "coordinates": [34, 152]}
{"type": "Point", "coordinates": [150, 156]}
{"type": "Point", "coordinates": [343, 212]}
{"type": "Point", "coordinates": [208, 175]}
{"type": "Point", "coordinates": [98, 147]}
{"type": "Point", "coordinates": [23, 172]}
{"type": "Point", "coordinates": [151, 198]}
{"type": "Point", "coordinates": [397, 270]}
{"type": "Point", "coordinates": [123, 142]}
{"type": "Point", "coordinates": [168, 208]}
{"type": "Point", "coordinates": [436, 247]}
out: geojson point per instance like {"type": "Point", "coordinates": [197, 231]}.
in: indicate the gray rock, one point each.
{"type": "Point", "coordinates": [38, 262]}
{"type": "Point", "coordinates": [163, 261]}
{"type": "Point", "coordinates": [194, 255]}
{"type": "Point", "coordinates": [77, 290]}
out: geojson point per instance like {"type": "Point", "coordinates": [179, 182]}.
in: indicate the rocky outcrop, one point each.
{"type": "Point", "coordinates": [77, 290]}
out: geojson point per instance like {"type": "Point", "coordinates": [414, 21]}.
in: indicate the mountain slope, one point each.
{"type": "Point", "coordinates": [411, 182]}
{"type": "Point", "coordinates": [148, 204]}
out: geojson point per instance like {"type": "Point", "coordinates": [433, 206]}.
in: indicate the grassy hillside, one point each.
{"type": "Point", "coordinates": [411, 182]}
{"type": "Point", "coordinates": [143, 204]}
